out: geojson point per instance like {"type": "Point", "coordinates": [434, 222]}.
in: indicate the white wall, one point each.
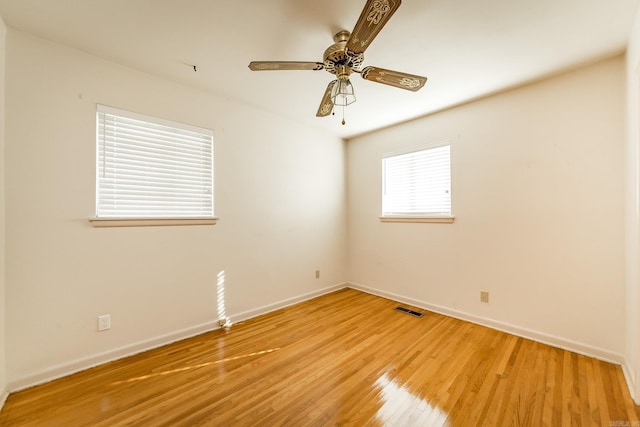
{"type": "Point", "coordinates": [632, 195]}
{"type": "Point", "coordinates": [537, 189]}
{"type": "Point", "coordinates": [537, 186]}
{"type": "Point", "coordinates": [3, 376]}
{"type": "Point", "coordinates": [280, 196]}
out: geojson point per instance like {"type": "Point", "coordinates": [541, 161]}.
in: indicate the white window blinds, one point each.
{"type": "Point", "coordinates": [417, 183]}
{"type": "Point", "coordinates": [151, 168]}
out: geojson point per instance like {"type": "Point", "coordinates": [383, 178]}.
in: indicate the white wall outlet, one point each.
{"type": "Point", "coordinates": [104, 322]}
{"type": "Point", "coordinates": [317, 274]}
{"type": "Point", "coordinates": [484, 296]}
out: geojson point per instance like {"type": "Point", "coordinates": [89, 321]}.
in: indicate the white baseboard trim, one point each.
{"type": "Point", "coordinates": [3, 398]}
{"type": "Point", "coordinates": [78, 365]}
{"type": "Point", "coordinates": [129, 350]}
{"type": "Point", "coordinates": [563, 343]}
{"type": "Point", "coordinates": [630, 376]}
{"type": "Point", "coordinates": [250, 314]}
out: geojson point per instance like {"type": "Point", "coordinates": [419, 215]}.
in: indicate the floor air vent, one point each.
{"type": "Point", "coordinates": [411, 312]}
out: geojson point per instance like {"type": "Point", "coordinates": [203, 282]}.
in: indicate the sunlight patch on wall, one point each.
{"type": "Point", "coordinates": [223, 319]}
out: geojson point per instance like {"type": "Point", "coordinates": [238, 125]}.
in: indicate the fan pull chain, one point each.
{"type": "Point", "coordinates": [343, 122]}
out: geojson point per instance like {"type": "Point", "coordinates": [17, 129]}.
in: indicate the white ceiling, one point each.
{"type": "Point", "coordinates": [466, 48]}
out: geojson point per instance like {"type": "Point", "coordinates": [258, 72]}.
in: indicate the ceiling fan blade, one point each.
{"type": "Point", "coordinates": [374, 16]}
{"type": "Point", "coordinates": [326, 105]}
{"type": "Point", "coordinates": [284, 65]}
{"type": "Point", "coordinates": [394, 78]}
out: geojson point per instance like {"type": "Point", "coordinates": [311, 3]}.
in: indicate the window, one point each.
{"type": "Point", "coordinates": [152, 169]}
{"type": "Point", "coordinates": [417, 185]}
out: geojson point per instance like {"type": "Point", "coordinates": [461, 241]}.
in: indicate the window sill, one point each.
{"type": "Point", "coordinates": [432, 219]}
{"type": "Point", "coordinates": [149, 222]}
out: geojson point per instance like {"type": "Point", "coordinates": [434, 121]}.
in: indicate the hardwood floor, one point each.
{"type": "Point", "coordinates": [347, 358]}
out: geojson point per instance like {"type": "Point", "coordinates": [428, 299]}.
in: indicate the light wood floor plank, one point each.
{"type": "Point", "coordinates": [347, 358]}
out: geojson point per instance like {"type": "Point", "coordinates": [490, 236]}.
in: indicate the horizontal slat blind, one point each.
{"type": "Point", "coordinates": [152, 168]}
{"type": "Point", "coordinates": [418, 183]}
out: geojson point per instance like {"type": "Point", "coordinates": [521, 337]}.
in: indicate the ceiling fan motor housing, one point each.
{"type": "Point", "coordinates": [337, 57]}
{"type": "Point", "coordinates": [346, 55]}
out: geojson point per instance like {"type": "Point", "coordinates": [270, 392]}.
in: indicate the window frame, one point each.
{"type": "Point", "coordinates": [117, 221]}
{"type": "Point", "coordinates": [444, 218]}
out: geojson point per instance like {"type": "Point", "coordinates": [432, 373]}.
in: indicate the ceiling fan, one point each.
{"type": "Point", "coordinates": [346, 55]}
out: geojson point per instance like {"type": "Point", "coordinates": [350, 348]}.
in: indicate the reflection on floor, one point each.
{"type": "Point", "coordinates": [346, 358]}
{"type": "Point", "coordinates": [404, 408]}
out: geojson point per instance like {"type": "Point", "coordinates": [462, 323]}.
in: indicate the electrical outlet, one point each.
{"type": "Point", "coordinates": [104, 322]}
{"type": "Point", "coordinates": [484, 296]}
{"type": "Point", "coordinates": [317, 274]}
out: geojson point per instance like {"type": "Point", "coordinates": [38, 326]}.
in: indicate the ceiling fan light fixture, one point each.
{"type": "Point", "coordinates": [346, 55]}
{"type": "Point", "coordinates": [342, 93]}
